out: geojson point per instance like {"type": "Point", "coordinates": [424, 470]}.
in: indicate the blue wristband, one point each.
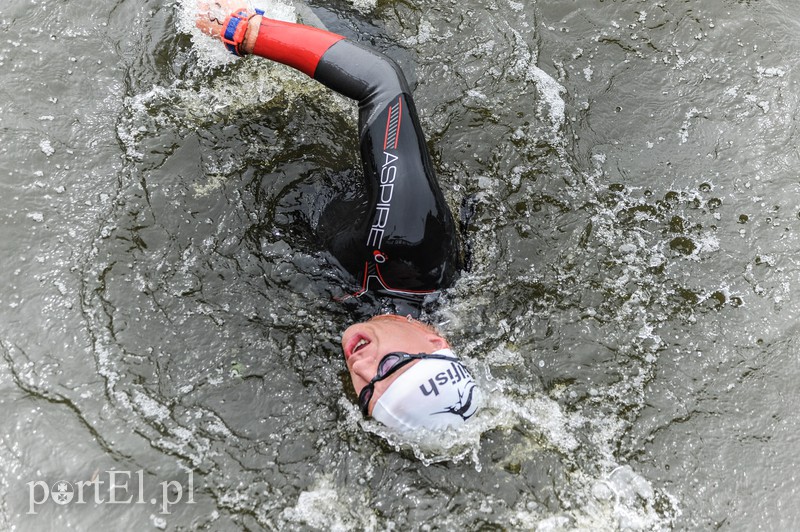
{"type": "Point", "coordinates": [233, 35]}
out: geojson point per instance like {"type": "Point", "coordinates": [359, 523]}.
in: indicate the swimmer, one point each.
{"type": "Point", "coordinates": [399, 244]}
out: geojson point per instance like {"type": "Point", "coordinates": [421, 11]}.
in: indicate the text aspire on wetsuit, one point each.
{"type": "Point", "coordinates": [402, 244]}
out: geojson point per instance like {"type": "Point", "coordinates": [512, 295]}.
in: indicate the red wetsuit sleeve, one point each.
{"type": "Point", "coordinates": [295, 45]}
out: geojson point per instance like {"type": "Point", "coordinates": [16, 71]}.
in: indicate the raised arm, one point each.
{"type": "Point", "coordinates": [406, 244]}
{"type": "Point", "coordinates": [370, 78]}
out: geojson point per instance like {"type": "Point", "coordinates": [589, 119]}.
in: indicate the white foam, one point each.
{"type": "Point", "coordinates": [365, 6]}
{"type": "Point", "coordinates": [683, 134]}
{"type": "Point", "coordinates": [323, 507]}
{"type": "Point", "coordinates": [46, 147]}
{"type": "Point", "coordinates": [551, 105]}
{"type": "Point", "coordinates": [771, 72]}
{"type": "Point", "coordinates": [149, 407]}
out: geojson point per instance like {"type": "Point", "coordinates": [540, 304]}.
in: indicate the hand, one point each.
{"type": "Point", "coordinates": [211, 15]}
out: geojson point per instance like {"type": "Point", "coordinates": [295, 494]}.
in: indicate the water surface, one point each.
{"type": "Point", "coordinates": [629, 170]}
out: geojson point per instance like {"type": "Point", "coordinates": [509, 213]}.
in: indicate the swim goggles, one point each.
{"type": "Point", "coordinates": [388, 365]}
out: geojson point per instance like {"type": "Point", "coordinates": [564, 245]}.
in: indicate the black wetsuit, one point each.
{"type": "Point", "coordinates": [401, 244]}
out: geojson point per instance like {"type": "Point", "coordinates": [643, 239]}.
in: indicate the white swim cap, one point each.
{"type": "Point", "coordinates": [433, 394]}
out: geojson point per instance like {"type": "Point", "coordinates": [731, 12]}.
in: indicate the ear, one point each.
{"type": "Point", "coordinates": [437, 342]}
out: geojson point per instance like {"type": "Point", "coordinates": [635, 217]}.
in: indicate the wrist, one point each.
{"type": "Point", "coordinates": [239, 32]}
{"type": "Point", "coordinates": [251, 34]}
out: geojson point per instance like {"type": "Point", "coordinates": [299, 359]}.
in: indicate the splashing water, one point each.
{"type": "Point", "coordinates": [623, 179]}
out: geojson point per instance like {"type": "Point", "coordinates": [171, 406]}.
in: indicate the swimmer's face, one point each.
{"type": "Point", "coordinates": [365, 344]}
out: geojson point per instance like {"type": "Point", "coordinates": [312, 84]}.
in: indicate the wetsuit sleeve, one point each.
{"type": "Point", "coordinates": [404, 244]}
{"type": "Point", "coordinates": [370, 78]}
{"type": "Point", "coordinates": [295, 45]}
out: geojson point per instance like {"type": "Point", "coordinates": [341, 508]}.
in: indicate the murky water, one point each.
{"type": "Point", "coordinates": [630, 304]}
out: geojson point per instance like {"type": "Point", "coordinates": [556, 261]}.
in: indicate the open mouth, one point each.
{"type": "Point", "coordinates": [355, 345]}
{"type": "Point", "coordinates": [361, 343]}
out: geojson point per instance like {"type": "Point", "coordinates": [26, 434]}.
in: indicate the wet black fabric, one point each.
{"type": "Point", "coordinates": [399, 244]}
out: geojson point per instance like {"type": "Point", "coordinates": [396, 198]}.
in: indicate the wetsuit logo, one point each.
{"type": "Point", "coordinates": [388, 175]}
{"type": "Point", "coordinates": [393, 126]}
